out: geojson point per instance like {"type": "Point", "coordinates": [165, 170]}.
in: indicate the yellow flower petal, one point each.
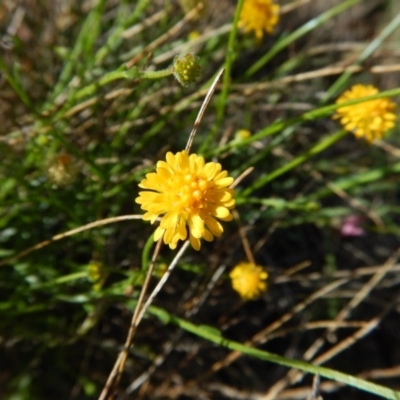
{"type": "Point", "coordinates": [158, 233]}
{"type": "Point", "coordinates": [214, 226]}
{"type": "Point", "coordinates": [208, 235]}
{"type": "Point", "coordinates": [196, 226]}
{"type": "Point", "coordinates": [196, 244]}
{"type": "Point", "coordinates": [224, 182]}
{"type": "Point", "coordinates": [221, 212]}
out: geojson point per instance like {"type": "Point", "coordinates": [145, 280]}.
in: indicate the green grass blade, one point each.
{"type": "Point", "coordinates": [306, 28]}
{"type": "Point", "coordinates": [229, 58]}
{"type": "Point", "coordinates": [279, 126]}
{"type": "Point", "coordinates": [84, 45]}
{"type": "Point", "coordinates": [215, 336]}
{"type": "Point", "coordinates": [368, 51]}
{"type": "Point", "coordinates": [318, 148]}
{"type": "Point", "coordinates": [123, 20]}
{"type": "Point", "coordinates": [17, 86]}
{"type": "Point", "coordinates": [357, 180]}
{"type": "Point", "coordinates": [226, 80]}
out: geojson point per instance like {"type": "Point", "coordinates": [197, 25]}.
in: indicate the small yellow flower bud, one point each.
{"type": "Point", "coordinates": [97, 274]}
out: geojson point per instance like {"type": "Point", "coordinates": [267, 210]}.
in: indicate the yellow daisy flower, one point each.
{"type": "Point", "coordinates": [249, 280]}
{"type": "Point", "coordinates": [190, 194]}
{"type": "Point", "coordinates": [259, 16]}
{"type": "Point", "coordinates": [370, 119]}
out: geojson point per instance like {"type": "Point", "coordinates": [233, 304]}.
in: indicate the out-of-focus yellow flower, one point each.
{"type": "Point", "coordinates": [370, 119]}
{"type": "Point", "coordinates": [259, 16]}
{"type": "Point", "coordinates": [190, 194]}
{"type": "Point", "coordinates": [249, 280]}
{"type": "Point", "coordinates": [193, 35]}
{"type": "Point", "coordinates": [97, 274]}
{"type": "Point", "coordinates": [160, 270]}
{"type": "Point", "coordinates": [242, 134]}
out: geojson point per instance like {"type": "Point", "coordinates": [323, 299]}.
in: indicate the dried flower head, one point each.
{"type": "Point", "coordinates": [249, 280]}
{"type": "Point", "coordinates": [61, 169]}
{"type": "Point", "coordinates": [189, 194]}
{"type": "Point", "coordinates": [369, 119]}
{"type": "Point", "coordinates": [259, 16]}
{"type": "Point", "coordinates": [186, 69]}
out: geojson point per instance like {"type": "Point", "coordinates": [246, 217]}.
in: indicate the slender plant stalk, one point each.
{"type": "Point", "coordinates": [116, 373]}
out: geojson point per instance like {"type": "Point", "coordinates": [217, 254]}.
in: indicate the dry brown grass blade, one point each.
{"type": "Point", "coordinates": [72, 232]}
{"type": "Point", "coordinates": [170, 345]}
{"type": "Point", "coordinates": [294, 376]}
{"type": "Point", "coordinates": [262, 335]}
{"type": "Point", "coordinates": [116, 372]}
{"type": "Point", "coordinates": [166, 36]}
{"type": "Point", "coordinates": [202, 110]}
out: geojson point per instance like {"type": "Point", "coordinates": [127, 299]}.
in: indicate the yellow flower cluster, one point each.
{"type": "Point", "coordinates": [259, 16]}
{"type": "Point", "coordinates": [191, 195]}
{"type": "Point", "coordinates": [369, 119]}
{"type": "Point", "coordinates": [248, 280]}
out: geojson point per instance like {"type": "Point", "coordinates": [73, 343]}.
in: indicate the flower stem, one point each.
{"type": "Point", "coordinates": [162, 73]}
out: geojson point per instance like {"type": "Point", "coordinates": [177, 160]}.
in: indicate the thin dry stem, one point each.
{"type": "Point", "coordinates": [166, 36]}
{"type": "Point", "coordinates": [243, 238]}
{"type": "Point", "coordinates": [116, 373]}
{"type": "Point", "coordinates": [74, 231]}
{"type": "Point", "coordinates": [293, 375]}
{"type": "Point", "coordinates": [202, 110]}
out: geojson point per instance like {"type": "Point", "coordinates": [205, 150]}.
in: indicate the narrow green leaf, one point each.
{"type": "Point", "coordinates": [338, 376]}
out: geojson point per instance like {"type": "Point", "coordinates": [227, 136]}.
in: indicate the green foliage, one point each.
{"type": "Point", "coordinates": [88, 108]}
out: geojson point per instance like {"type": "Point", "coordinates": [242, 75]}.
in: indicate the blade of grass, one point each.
{"type": "Point", "coordinates": [278, 126]}
{"type": "Point", "coordinates": [229, 59]}
{"type": "Point", "coordinates": [84, 45]}
{"type": "Point", "coordinates": [16, 85]}
{"type": "Point", "coordinates": [123, 20]}
{"type": "Point", "coordinates": [368, 51]}
{"type": "Point", "coordinates": [306, 28]}
{"type": "Point", "coordinates": [372, 175]}
{"type": "Point", "coordinates": [318, 148]}
{"type": "Point", "coordinates": [213, 335]}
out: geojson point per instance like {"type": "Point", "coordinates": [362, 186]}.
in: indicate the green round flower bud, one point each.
{"type": "Point", "coordinates": [186, 69]}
